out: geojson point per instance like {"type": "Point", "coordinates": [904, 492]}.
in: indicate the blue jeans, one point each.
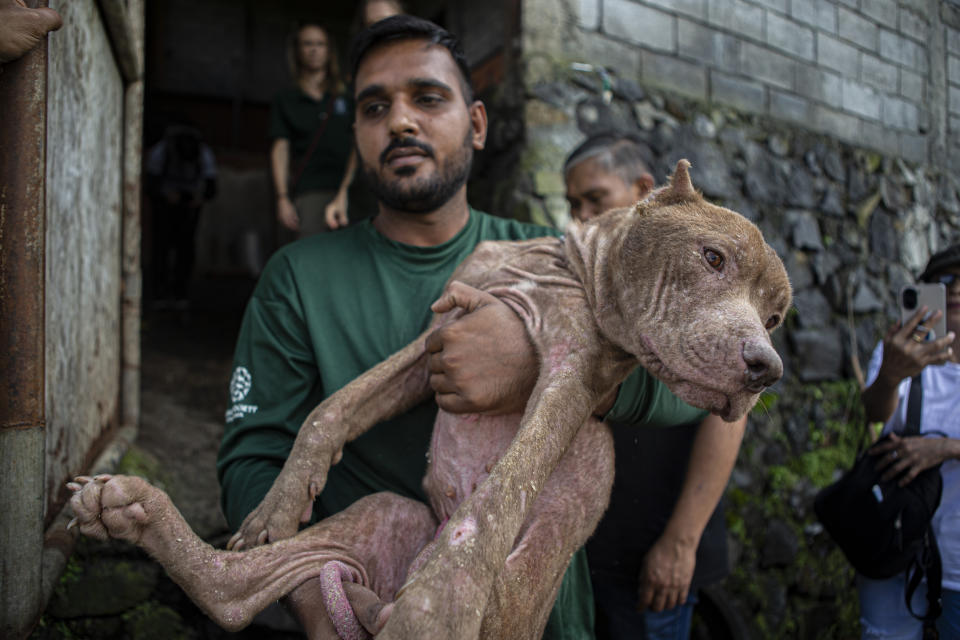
{"type": "Point", "coordinates": [884, 614]}
{"type": "Point", "coordinates": [618, 618]}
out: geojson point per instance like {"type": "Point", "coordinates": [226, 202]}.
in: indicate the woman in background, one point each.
{"type": "Point", "coordinates": [312, 158]}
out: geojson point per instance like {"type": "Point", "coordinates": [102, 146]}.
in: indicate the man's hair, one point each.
{"type": "Point", "coordinates": [941, 261]}
{"type": "Point", "coordinates": [621, 154]}
{"type": "Point", "coordinates": [406, 27]}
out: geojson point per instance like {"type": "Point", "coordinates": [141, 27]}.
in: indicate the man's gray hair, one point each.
{"type": "Point", "coordinates": [615, 153]}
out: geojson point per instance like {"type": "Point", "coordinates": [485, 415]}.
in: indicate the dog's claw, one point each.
{"type": "Point", "coordinates": [72, 524]}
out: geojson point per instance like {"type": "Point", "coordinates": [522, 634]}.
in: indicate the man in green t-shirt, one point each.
{"type": "Point", "coordinates": [331, 306]}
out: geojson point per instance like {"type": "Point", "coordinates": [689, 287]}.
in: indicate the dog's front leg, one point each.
{"type": "Point", "coordinates": [447, 597]}
{"type": "Point", "coordinates": [390, 388]}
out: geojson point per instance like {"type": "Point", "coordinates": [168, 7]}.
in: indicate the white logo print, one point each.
{"type": "Point", "coordinates": [240, 384]}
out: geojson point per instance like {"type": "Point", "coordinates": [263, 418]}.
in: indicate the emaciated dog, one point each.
{"type": "Point", "coordinates": [684, 288]}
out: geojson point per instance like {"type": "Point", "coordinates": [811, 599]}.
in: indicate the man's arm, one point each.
{"type": "Point", "coordinates": [668, 566]}
{"type": "Point", "coordinates": [280, 170]}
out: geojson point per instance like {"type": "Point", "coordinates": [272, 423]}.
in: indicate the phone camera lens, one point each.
{"type": "Point", "coordinates": [910, 298]}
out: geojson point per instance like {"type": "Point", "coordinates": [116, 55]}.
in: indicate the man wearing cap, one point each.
{"type": "Point", "coordinates": [904, 352]}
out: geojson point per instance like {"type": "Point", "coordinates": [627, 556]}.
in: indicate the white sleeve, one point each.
{"type": "Point", "coordinates": [873, 369]}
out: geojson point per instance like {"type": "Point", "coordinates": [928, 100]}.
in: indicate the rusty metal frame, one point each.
{"type": "Point", "coordinates": [23, 97]}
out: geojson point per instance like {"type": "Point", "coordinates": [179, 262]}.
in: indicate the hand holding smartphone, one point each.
{"type": "Point", "coordinates": [932, 295]}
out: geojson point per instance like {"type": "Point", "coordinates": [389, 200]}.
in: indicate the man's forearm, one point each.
{"type": "Point", "coordinates": [880, 399]}
{"type": "Point", "coordinates": [712, 458]}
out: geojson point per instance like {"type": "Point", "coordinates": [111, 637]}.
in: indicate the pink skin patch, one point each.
{"type": "Point", "coordinates": [464, 532]}
{"type": "Point", "coordinates": [557, 355]}
{"type": "Point", "coordinates": [332, 576]}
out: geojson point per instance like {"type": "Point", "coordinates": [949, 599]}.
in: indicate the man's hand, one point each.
{"type": "Point", "coordinates": [287, 214]}
{"type": "Point", "coordinates": [907, 457]}
{"type": "Point", "coordinates": [482, 362]}
{"type": "Point", "coordinates": [335, 215]}
{"type": "Point", "coordinates": [666, 574]}
{"type": "Point", "coordinates": [906, 353]}
{"type": "Point", "coordinates": [22, 29]}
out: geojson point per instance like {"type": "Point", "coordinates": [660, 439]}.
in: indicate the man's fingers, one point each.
{"type": "Point", "coordinates": [913, 322]}
{"type": "Point", "coordinates": [48, 19]}
{"type": "Point", "coordinates": [453, 403]}
{"type": "Point", "coordinates": [434, 344]}
{"type": "Point", "coordinates": [442, 384]}
{"type": "Point", "coordinates": [460, 295]}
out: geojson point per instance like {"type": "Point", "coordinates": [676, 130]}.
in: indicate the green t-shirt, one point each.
{"type": "Point", "coordinates": [326, 309]}
{"type": "Point", "coordinates": [297, 117]}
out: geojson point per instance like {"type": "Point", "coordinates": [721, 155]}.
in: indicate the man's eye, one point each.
{"type": "Point", "coordinates": [374, 109]}
{"type": "Point", "coordinates": [429, 99]}
{"type": "Point", "coordinates": [714, 259]}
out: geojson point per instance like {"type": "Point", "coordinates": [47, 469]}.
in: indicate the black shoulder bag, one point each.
{"type": "Point", "coordinates": [883, 528]}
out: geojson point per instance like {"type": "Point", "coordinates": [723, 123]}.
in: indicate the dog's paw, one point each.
{"type": "Point", "coordinates": [108, 506]}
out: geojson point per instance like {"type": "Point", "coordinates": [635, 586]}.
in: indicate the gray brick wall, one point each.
{"type": "Point", "coordinates": [857, 69]}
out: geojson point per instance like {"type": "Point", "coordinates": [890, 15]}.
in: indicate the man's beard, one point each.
{"type": "Point", "coordinates": [425, 194]}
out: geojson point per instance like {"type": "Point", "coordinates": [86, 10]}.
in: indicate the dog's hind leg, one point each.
{"type": "Point", "coordinates": [564, 515]}
{"type": "Point", "coordinates": [374, 540]}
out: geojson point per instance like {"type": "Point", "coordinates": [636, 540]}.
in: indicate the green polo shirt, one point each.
{"type": "Point", "coordinates": [328, 308]}
{"type": "Point", "coordinates": [297, 117]}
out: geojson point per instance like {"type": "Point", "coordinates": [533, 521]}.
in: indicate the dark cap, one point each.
{"type": "Point", "coordinates": [945, 259]}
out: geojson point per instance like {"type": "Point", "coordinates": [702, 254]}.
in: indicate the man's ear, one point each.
{"type": "Point", "coordinates": [478, 122]}
{"type": "Point", "coordinates": [642, 186]}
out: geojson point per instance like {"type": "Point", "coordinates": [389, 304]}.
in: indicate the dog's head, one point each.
{"type": "Point", "coordinates": [692, 290]}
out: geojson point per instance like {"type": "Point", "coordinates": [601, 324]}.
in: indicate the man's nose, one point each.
{"type": "Point", "coordinates": [402, 122]}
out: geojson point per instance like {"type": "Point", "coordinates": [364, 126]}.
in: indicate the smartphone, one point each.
{"type": "Point", "coordinates": [931, 295]}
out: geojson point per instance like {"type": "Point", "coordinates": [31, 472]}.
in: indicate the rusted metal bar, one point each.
{"type": "Point", "coordinates": [127, 43]}
{"type": "Point", "coordinates": [23, 89]}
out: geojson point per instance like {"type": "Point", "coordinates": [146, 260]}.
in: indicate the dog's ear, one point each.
{"type": "Point", "coordinates": [680, 183]}
{"type": "Point", "coordinates": [680, 188]}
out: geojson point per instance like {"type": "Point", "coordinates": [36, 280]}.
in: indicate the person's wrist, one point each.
{"type": "Point", "coordinates": [282, 196]}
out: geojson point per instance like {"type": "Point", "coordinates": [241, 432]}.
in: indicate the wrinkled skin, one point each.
{"type": "Point", "coordinates": [687, 289]}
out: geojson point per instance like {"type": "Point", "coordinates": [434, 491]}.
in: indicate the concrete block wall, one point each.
{"type": "Point", "coordinates": [883, 74]}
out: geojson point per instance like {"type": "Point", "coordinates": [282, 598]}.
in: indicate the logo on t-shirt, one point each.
{"type": "Point", "coordinates": [240, 384]}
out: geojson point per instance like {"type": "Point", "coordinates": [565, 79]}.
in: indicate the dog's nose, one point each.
{"type": "Point", "coordinates": [763, 365]}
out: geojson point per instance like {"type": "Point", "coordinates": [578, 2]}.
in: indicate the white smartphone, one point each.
{"type": "Point", "coordinates": [931, 295]}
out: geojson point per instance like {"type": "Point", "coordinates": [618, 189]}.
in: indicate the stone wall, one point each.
{"type": "Point", "coordinates": [883, 74]}
{"type": "Point", "coordinates": [841, 159]}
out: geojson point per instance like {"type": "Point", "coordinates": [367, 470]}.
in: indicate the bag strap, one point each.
{"type": "Point", "coordinates": [927, 563]}
{"type": "Point", "coordinates": [914, 405]}
{"type": "Point", "coordinates": [314, 142]}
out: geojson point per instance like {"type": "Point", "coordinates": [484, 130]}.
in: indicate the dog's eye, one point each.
{"type": "Point", "coordinates": [714, 259]}
{"type": "Point", "coordinates": [772, 322]}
